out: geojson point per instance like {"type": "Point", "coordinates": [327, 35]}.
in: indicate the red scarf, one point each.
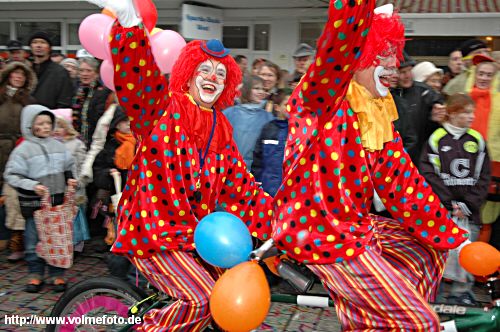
{"type": "Point", "coordinates": [482, 98]}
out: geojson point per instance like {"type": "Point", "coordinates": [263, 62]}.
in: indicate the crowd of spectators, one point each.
{"type": "Point", "coordinates": [89, 121]}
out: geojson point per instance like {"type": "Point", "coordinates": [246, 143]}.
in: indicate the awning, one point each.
{"type": "Point", "coordinates": [444, 6]}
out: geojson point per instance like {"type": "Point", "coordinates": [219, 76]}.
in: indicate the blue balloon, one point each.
{"type": "Point", "coordinates": [222, 239]}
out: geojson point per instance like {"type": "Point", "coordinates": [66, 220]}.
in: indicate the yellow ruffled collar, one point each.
{"type": "Point", "coordinates": [375, 116]}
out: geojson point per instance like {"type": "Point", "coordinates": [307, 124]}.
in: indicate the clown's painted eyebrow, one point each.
{"type": "Point", "coordinates": [221, 70]}
{"type": "Point", "coordinates": [205, 67]}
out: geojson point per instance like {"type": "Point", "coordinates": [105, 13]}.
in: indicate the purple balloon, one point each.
{"type": "Point", "coordinates": [94, 34]}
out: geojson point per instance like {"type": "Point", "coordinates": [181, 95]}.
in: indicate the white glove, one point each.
{"type": "Point", "coordinates": [124, 10]}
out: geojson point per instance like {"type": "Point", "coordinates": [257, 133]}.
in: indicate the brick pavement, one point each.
{"type": "Point", "coordinates": [13, 299]}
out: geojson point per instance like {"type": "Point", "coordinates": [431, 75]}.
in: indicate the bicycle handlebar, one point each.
{"type": "Point", "coordinates": [259, 253]}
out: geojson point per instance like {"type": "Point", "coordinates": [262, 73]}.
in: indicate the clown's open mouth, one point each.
{"type": "Point", "coordinates": [385, 78]}
{"type": "Point", "coordinates": [209, 88]}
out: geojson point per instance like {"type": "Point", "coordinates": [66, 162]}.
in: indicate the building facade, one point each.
{"type": "Point", "coordinates": [266, 28]}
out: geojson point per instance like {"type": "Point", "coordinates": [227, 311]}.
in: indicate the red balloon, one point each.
{"type": "Point", "coordinates": [147, 11]}
{"type": "Point", "coordinates": [480, 258]}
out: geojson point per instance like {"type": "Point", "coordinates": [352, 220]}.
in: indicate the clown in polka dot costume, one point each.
{"type": "Point", "coordinates": [185, 165]}
{"type": "Point", "coordinates": [332, 165]}
{"type": "Point", "coordinates": [341, 147]}
{"type": "Point", "coordinates": [160, 205]}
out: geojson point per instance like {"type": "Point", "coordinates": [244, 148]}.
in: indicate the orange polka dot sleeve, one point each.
{"type": "Point", "coordinates": [140, 86]}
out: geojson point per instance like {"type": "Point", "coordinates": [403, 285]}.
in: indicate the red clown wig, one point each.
{"type": "Point", "coordinates": [185, 67]}
{"type": "Point", "coordinates": [386, 35]}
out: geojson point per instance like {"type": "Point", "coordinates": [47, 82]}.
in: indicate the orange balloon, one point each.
{"type": "Point", "coordinates": [241, 298]}
{"type": "Point", "coordinates": [479, 258]}
{"type": "Point", "coordinates": [109, 12]}
{"type": "Point", "coordinates": [269, 261]}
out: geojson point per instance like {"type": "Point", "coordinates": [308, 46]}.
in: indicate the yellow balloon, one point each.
{"type": "Point", "coordinates": [155, 30]}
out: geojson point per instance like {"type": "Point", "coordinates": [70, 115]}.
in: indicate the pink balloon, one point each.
{"type": "Point", "coordinates": [107, 74]}
{"type": "Point", "coordinates": [94, 34]}
{"type": "Point", "coordinates": [166, 46]}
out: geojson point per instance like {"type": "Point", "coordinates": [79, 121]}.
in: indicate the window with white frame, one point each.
{"type": "Point", "coordinates": [4, 32]}
{"type": "Point", "coordinates": [24, 30]}
{"type": "Point", "coordinates": [261, 37]}
{"type": "Point", "coordinates": [310, 32]}
{"type": "Point", "coordinates": [73, 38]}
{"type": "Point", "coordinates": [235, 36]}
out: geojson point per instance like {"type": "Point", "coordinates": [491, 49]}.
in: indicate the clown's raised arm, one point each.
{"type": "Point", "coordinates": [325, 83]}
{"type": "Point", "coordinates": [140, 85]}
{"type": "Point", "coordinates": [323, 87]}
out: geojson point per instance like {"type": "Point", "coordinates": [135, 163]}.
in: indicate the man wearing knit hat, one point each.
{"type": "Point", "coordinates": [54, 89]}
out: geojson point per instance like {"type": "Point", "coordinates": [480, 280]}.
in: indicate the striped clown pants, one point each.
{"type": "Point", "coordinates": [185, 278]}
{"type": "Point", "coordinates": [388, 287]}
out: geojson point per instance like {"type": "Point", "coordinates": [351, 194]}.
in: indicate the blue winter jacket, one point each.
{"type": "Point", "coordinates": [268, 156]}
{"type": "Point", "coordinates": [247, 121]}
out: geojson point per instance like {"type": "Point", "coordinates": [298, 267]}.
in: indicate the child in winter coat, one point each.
{"type": "Point", "coordinates": [38, 165]}
{"type": "Point", "coordinates": [65, 133]}
{"type": "Point", "coordinates": [249, 117]}
{"type": "Point", "coordinates": [269, 151]}
{"type": "Point", "coordinates": [456, 164]}
{"type": "Point", "coordinates": [116, 156]}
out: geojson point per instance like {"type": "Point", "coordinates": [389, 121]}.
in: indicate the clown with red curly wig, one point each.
{"type": "Point", "coordinates": [186, 164]}
{"type": "Point", "coordinates": [341, 149]}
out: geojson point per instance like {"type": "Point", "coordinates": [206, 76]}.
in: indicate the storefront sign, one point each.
{"type": "Point", "coordinates": [201, 22]}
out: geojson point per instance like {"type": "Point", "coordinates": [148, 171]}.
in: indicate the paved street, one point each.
{"type": "Point", "coordinates": [14, 301]}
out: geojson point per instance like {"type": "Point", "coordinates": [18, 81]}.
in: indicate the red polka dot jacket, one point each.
{"type": "Point", "coordinates": [322, 207]}
{"type": "Point", "coordinates": [159, 210]}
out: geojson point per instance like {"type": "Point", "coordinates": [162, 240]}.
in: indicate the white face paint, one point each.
{"type": "Point", "coordinates": [382, 88]}
{"type": "Point", "coordinates": [377, 78]}
{"type": "Point", "coordinates": [208, 82]}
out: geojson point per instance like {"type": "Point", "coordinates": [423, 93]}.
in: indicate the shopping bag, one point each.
{"type": "Point", "coordinates": [115, 199]}
{"type": "Point", "coordinates": [111, 224]}
{"type": "Point", "coordinates": [54, 225]}
{"type": "Point", "coordinates": [81, 230]}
